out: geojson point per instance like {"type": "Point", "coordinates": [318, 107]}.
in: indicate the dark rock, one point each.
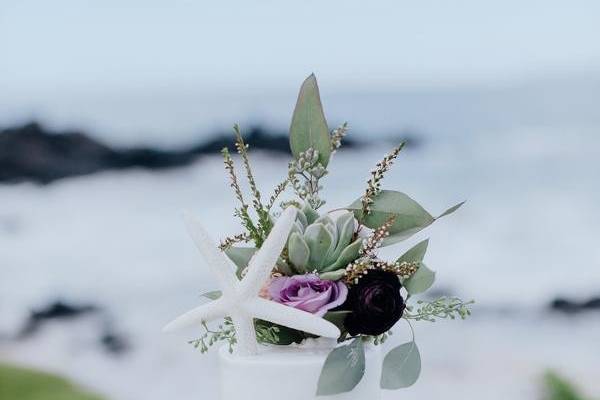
{"type": "Point", "coordinates": [114, 343]}
{"type": "Point", "coordinates": [31, 153]}
{"type": "Point", "coordinates": [572, 306]}
{"type": "Point", "coordinates": [56, 310]}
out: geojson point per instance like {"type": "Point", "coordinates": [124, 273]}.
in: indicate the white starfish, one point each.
{"type": "Point", "coordinates": [239, 299]}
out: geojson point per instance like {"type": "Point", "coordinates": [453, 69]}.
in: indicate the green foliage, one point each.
{"type": "Point", "coordinates": [264, 224]}
{"type": "Point", "coordinates": [558, 388]}
{"type": "Point", "coordinates": [337, 318]}
{"type": "Point", "coordinates": [18, 383]}
{"type": "Point", "coordinates": [343, 369]}
{"type": "Point", "coordinates": [266, 332]}
{"type": "Point", "coordinates": [374, 183]}
{"type": "Point", "coordinates": [410, 217]}
{"type": "Point", "coordinates": [420, 281]}
{"type": "Point", "coordinates": [415, 253]}
{"type": "Point", "coordinates": [324, 245]}
{"type": "Point", "coordinates": [309, 128]}
{"type": "Point", "coordinates": [241, 257]}
{"type": "Point", "coordinates": [212, 295]}
{"type": "Point", "coordinates": [305, 174]}
{"type": "Point", "coordinates": [225, 332]}
{"type": "Point", "coordinates": [337, 135]}
{"type": "Point", "coordinates": [401, 367]}
{"type": "Point", "coordinates": [444, 307]}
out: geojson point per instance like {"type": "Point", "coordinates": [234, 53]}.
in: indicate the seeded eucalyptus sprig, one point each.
{"type": "Point", "coordinates": [337, 135]}
{"type": "Point", "coordinates": [374, 183]}
{"type": "Point", "coordinates": [225, 332]}
{"type": "Point", "coordinates": [444, 307]}
{"type": "Point", "coordinates": [304, 173]}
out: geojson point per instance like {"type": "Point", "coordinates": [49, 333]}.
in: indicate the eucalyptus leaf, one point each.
{"type": "Point", "coordinates": [415, 253]}
{"type": "Point", "coordinates": [451, 210]}
{"type": "Point", "coordinates": [240, 256]}
{"type": "Point", "coordinates": [343, 369]}
{"type": "Point", "coordinates": [212, 295]}
{"type": "Point", "coordinates": [309, 127]}
{"type": "Point", "coordinates": [401, 367]}
{"type": "Point", "coordinates": [410, 216]}
{"type": "Point", "coordinates": [420, 281]}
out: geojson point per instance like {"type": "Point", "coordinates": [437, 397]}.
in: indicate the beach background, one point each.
{"type": "Point", "coordinates": [498, 102]}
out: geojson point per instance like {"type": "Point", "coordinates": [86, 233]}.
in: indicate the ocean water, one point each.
{"type": "Point", "coordinates": [527, 234]}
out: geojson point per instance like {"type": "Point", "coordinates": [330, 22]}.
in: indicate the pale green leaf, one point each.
{"type": "Point", "coordinates": [309, 127]}
{"type": "Point", "coordinates": [333, 275]}
{"type": "Point", "coordinates": [349, 254]}
{"type": "Point", "coordinates": [298, 252]}
{"type": "Point", "coordinates": [240, 256]}
{"type": "Point", "coordinates": [410, 216]}
{"type": "Point", "coordinates": [415, 253]}
{"type": "Point", "coordinates": [319, 241]}
{"type": "Point", "coordinates": [212, 295]}
{"type": "Point", "coordinates": [401, 367]}
{"type": "Point", "coordinates": [343, 369]}
{"type": "Point", "coordinates": [451, 210]}
{"type": "Point", "coordinates": [420, 281]}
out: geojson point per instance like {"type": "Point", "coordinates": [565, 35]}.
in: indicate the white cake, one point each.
{"type": "Point", "coordinates": [290, 373]}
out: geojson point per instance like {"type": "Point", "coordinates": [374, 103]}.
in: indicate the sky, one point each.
{"type": "Point", "coordinates": [112, 45]}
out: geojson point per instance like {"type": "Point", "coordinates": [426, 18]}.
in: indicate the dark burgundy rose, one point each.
{"type": "Point", "coordinates": [375, 302]}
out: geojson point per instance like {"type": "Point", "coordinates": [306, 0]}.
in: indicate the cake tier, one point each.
{"type": "Point", "coordinates": [290, 373]}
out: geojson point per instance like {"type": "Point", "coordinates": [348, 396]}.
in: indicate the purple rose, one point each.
{"type": "Point", "coordinates": [308, 293]}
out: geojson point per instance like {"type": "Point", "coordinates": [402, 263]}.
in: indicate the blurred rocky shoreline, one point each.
{"type": "Point", "coordinates": [32, 153]}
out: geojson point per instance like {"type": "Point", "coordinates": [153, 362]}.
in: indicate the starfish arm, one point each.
{"type": "Point", "coordinates": [217, 262]}
{"type": "Point", "coordinates": [206, 312]}
{"type": "Point", "coordinates": [263, 262]}
{"type": "Point", "coordinates": [245, 334]}
{"type": "Point", "coordinates": [291, 317]}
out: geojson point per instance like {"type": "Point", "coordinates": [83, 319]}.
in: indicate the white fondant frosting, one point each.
{"type": "Point", "coordinates": [290, 373]}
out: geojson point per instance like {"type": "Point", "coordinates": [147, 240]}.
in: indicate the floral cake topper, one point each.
{"type": "Point", "coordinates": [302, 273]}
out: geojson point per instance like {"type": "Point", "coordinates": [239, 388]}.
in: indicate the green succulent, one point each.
{"type": "Point", "coordinates": [322, 244]}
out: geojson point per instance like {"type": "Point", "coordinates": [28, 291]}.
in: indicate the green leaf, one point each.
{"type": "Point", "coordinates": [337, 318]}
{"type": "Point", "coordinates": [415, 253]}
{"type": "Point", "coordinates": [451, 210]}
{"type": "Point", "coordinates": [345, 231]}
{"type": "Point", "coordinates": [410, 216]}
{"type": "Point", "coordinates": [333, 275]}
{"type": "Point", "coordinates": [343, 369]}
{"type": "Point", "coordinates": [319, 241]}
{"type": "Point", "coordinates": [310, 213]}
{"type": "Point", "coordinates": [349, 254]}
{"type": "Point", "coordinates": [240, 256]}
{"type": "Point", "coordinates": [298, 252]}
{"type": "Point", "coordinates": [401, 367]}
{"type": "Point", "coordinates": [213, 295]}
{"type": "Point", "coordinates": [309, 127]}
{"type": "Point", "coordinates": [420, 281]}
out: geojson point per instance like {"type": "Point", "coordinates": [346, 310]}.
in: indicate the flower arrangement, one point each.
{"type": "Point", "coordinates": [304, 273]}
